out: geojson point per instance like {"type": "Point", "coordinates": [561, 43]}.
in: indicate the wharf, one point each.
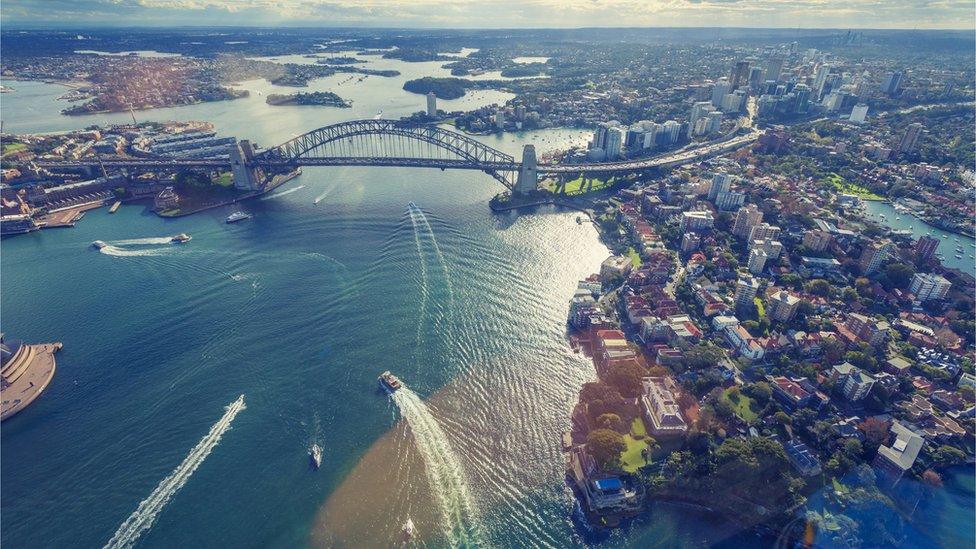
{"type": "Point", "coordinates": [67, 217]}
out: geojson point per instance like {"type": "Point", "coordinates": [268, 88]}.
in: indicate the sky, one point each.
{"type": "Point", "coordinates": [909, 14]}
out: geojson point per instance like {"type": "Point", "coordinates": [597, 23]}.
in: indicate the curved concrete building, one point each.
{"type": "Point", "coordinates": [25, 371]}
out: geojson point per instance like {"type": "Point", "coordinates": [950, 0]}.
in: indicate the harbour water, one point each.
{"type": "Point", "coordinates": [299, 309]}
{"type": "Point", "coordinates": [904, 221]}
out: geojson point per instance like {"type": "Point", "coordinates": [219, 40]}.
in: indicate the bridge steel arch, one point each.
{"type": "Point", "coordinates": [368, 142]}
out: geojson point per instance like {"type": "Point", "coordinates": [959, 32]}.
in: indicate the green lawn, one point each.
{"type": "Point", "coordinates": [13, 147]}
{"type": "Point", "coordinates": [637, 429]}
{"type": "Point", "coordinates": [635, 258]}
{"type": "Point", "coordinates": [225, 179]}
{"type": "Point", "coordinates": [842, 185]}
{"type": "Point", "coordinates": [576, 186]}
{"type": "Point", "coordinates": [632, 457]}
{"type": "Point", "coordinates": [742, 407]}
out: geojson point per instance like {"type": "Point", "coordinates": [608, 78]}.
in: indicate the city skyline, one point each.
{"type": "Point", "coordinates": [823, 14]}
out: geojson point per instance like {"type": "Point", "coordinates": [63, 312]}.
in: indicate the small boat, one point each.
{"type": "Point", "coordinates": [98, 244]}
{"type": "Point", "coordinates": [389, 382]}
{"type": "Point", "coordinates": [115, 207]}
{"type": "Point", "coordinates": [180, 238]}
{"type": "Point", "coordinates": [315, 454]}
{"type": "Point", "coordinates": [408, 530]}
{"type": "Point", "coordinates": [237, 216]}
{"type": "Point", "coordinates": [958, 256]}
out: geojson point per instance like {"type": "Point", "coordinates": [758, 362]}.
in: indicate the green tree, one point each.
{"type": "Point", "coordinates": [605, 445]}
{"type": "Point", "coordinates": [626, 377]}
{"type": "Point", "coordinates": [899, 274]}
{"type": "Point", "coordinates": [609, 421]}
{"type": "Point", "coordinates": [945, 456]}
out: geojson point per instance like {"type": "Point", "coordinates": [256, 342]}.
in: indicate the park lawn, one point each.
{"type": "Point", "coordinates": [632, 457]}
{"type": "Point", "coordinates": [635, 258]}
{"type": "Point", "coordinates": [743, 408]}
{"type": "Point", "coordinates": [13, 147]}
{"type": "Point", "coordinates": [842, 185]}
{"type": "Point", "coordinates": [637, 428]}
{"type": "Point", "coordinates": [575, 187]}
{"type": "Point", "coordinates": [225, 179]}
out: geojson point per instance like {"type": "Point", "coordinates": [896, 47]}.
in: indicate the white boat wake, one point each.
{"type": "Point", "coordinates": [282, 193]}
{"type": "Point", "coordinates": [416, 214]}
{"type": "Point", "coordinates": [145, 515]}
{"type": "Point", "coordinates": [423, 278]}
{"type": "Point", "coordinates": [444, 471]}
{"type": "Point", "coordinates": [324, 194]}
{"type": "Point", "coordinates": [144, 241]}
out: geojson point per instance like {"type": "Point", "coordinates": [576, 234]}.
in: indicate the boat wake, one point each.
{"type": "Point", "coordinates": [423, 277]}
{"type": "Point", "coordinates": [144, 241]}
{"type": "Point", "coordinates": [443, 469]}
{"type": "Point", "coordinates": [282, 193]}
{"type": "Point", "coordinates": [145, 515]}
{"type": "Point", "coordinates": [324, 194]}
{"type": "Point", "coordinates": [139, 247]}
{"type": "Point", "coordinates": [420, 220]}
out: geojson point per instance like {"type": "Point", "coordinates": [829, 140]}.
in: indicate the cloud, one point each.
{"type": "Point", "coordinates": [498, 13]}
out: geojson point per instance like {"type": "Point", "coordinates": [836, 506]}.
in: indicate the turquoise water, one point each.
{"type": "Point", "coordinates": [299, 309]}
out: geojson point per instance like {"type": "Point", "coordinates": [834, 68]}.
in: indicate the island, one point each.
{"type": "Point", "coordinates": [443, 88]}
{"type": "Point", "coordinates": [326, 99]}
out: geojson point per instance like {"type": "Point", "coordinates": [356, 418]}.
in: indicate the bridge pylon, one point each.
{"type": "Point", "coordinates": [528, 175]}
{"type": "Point", "coordinates": [246, 178]}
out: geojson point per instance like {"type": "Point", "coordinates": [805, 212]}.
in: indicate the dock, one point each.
{"type": "Point", "coordinates": [115, 207]}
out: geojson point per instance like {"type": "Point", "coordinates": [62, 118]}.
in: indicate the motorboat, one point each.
{"type": "Point", "coordinates": [237, 216]}
{"type": "Point", "coordinates": [389, 382]}
{"type": "Point", "coordinates": [408, 530]}
{"type": "Point", "coordinates": [315, 454]}
{"type": "Point", "coordinates": [98, 244]}
{"type": "Point", "coordinates": [180, 238]}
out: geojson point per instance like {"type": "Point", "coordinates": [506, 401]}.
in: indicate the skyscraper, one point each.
{"type": "Point", "coordinates": [802, 92]}
{"type": "Point", "coordinates": [699, 110]}
{"type": "Point", "coordinates": [614, 143]}
{"type": "Point", "coordinates": [819, 80]}
{"type": "Point", "coordinates": [739, 75]}
{"type": "Point", "coordinates": [431, 104]}
{"type": "Point", "coordinates": [891, 83]}
{"type": "Point", "coordinates": [925, 248]}
{"type": "Point", "coordinates": [774, 66]}
{"type": "Point", "coordinates": [745, 219]}
{"type": "Point", "coordinates": [756, 79]}
{"type": "Point", "coordinates": [721, 182]}
{"type": "Point", "coordinates": [910, 140]}
{"type": "Point", "coordinates": [745, 292]}
{"type": "Point", "coordinates": [859, 113]}
{"type": "Point", "coordinates": [874, 255]}
{"type": "Point", "coordinates": [719, 91]}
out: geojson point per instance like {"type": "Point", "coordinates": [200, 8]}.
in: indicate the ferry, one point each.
{"type": "Point", "coordinates": [237, 216]}
{"type": "Point", "coordinates": [389, 382]}
{"type": "Point", "coordinates": [315, 454]}
{"type": "Point", "coordinates": [98, 244]}
{"type": "Point", "coordinates": [180, 238]}
{"type": "Point", "coordinates": [408, 530]}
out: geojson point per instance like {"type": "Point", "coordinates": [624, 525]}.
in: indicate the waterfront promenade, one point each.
{"type": "Point", "coordinates": [27, 370]}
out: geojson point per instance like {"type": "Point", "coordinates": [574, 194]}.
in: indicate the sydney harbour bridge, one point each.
{"type": "Point", "coordinates": [394, 143]}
